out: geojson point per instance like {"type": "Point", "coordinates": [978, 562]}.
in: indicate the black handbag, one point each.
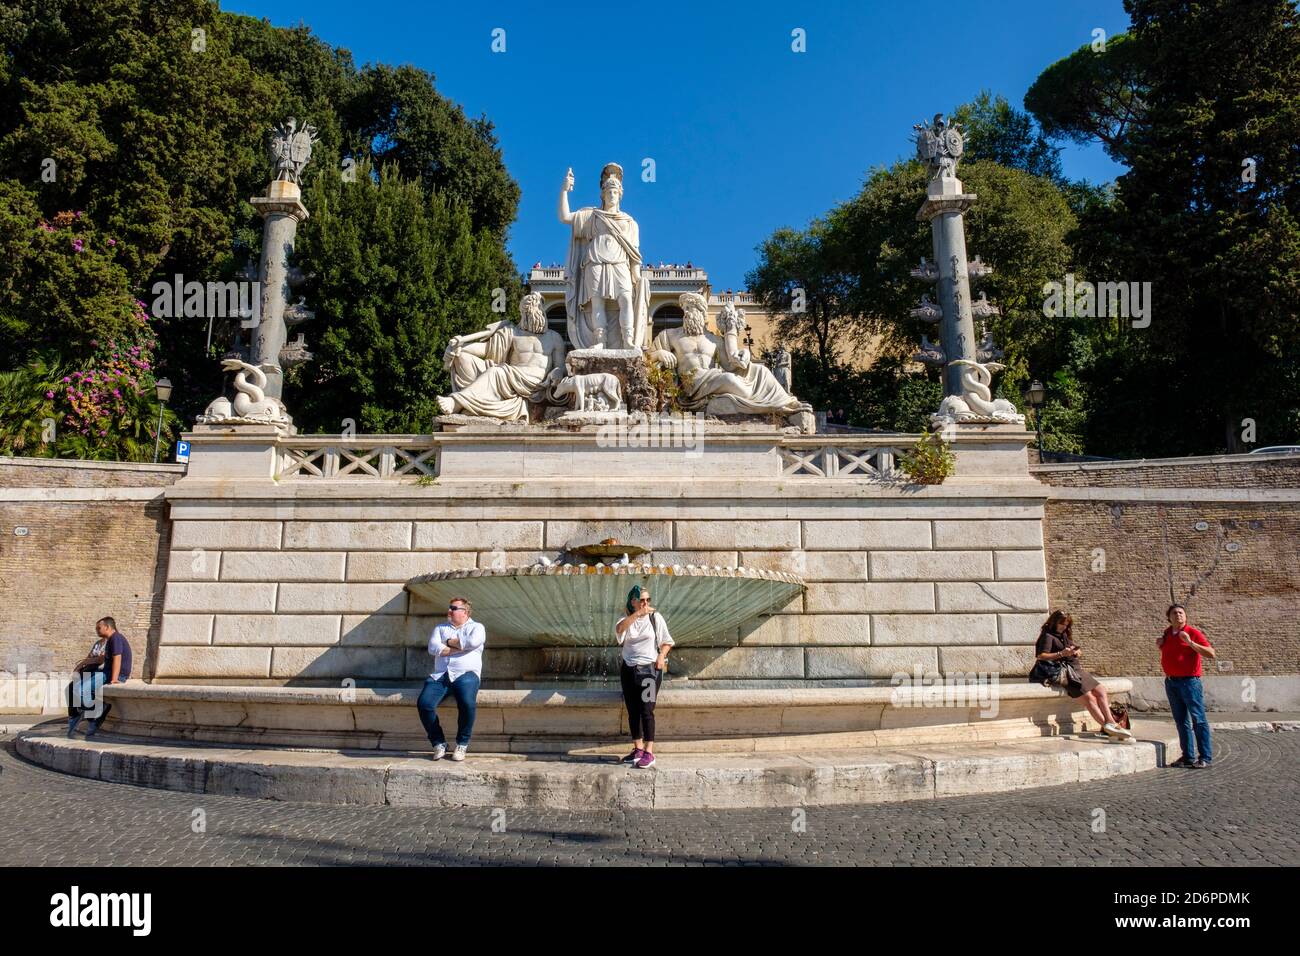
{"type": "Point", "coordinates": [1049, 674]}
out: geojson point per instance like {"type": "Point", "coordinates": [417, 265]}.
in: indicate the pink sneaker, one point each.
{"type": "Point", "coordinates": [647, 759]}
{"type": "Point", "coordinates": [633, 757]}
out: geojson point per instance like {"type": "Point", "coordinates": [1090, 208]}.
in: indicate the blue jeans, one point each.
{"type": "Point", "coordinates": [85, 699]}
{"type": "Point", "coordinates": [465, 689]}
{"type": "Point", "coordinates": [1187, 702]}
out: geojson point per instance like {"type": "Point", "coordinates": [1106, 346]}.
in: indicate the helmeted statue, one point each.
{"type": "Point", "coordinates": [603, 270]}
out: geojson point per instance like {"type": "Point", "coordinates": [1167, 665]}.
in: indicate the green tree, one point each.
{"type": "Point", "coordinates": [803, 276]}
{"type": "Point", "coordinates": [854, 264]}
{"type": "Point", "coordinates": [995, 130]}
{"type": "Point", "coordinates": [399, 270]}
{"type": "Point", "coordinates": [150, 120]}
{"type": "Point", "coordinates": [1093, 94]}
{"type": "Point", "coordinates": [1019, 224]}
{"type": "Point", "coordinates": [1208, 212]}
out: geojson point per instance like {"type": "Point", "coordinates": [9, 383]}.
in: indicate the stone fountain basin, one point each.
{"type": "Point", "coordinates": [558, 605]}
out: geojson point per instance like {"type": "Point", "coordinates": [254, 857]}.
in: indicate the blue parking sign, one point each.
{"type": "Point", "coordinates": [182, 451]}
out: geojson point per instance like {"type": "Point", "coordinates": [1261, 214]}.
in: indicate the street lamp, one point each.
{"type": "Point", "coordinates": [163, 389]}
{"type": "Point", "coordinates": [1034, 395]}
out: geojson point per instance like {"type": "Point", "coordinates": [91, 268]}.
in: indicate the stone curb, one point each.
{"type": "Point", "coordinates": [1257, 726]}
{"type": "Point", "coordinates": [714, 781]}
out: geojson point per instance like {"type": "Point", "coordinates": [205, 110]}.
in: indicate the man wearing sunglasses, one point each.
{"type": "Point", "coordinates": [457, 651]}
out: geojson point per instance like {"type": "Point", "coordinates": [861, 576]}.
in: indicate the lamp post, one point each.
{"type": "Point", "coordinates": [163, 389]}
{"type": "Point", "coordinates": [1035, 395]}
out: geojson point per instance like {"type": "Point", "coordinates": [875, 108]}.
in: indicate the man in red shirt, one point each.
{"type": "Point", "coordinates": [1181, 649]}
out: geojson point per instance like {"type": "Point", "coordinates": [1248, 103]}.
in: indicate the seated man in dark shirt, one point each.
{"type": "Point", "coordinates": [116, 670]}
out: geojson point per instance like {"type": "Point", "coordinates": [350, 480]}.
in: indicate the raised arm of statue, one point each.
{"type": "Point", "coordinates": [474, 343]}
{"type": "Point", "coordinates": [481, 335]}
{"type": "Point", "coordinates": [566, 217]}
{"type": "Point", "coordinates": [733, 357]}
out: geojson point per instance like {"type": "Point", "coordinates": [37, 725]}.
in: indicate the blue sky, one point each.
{"type": "Point", "coordinates": [746, 134]}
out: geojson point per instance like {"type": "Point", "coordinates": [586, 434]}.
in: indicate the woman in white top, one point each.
{"type": "Point", "coordinates": [645, 640]}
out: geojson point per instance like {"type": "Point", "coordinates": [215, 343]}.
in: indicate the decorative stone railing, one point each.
{"type": "Point", "coordinates": [678, 274]}
{"type": "Point", "coordinates": [388, 457]}
{"type": "Point", "coordinates": [820, 459]}
{"type": "Point", "coordinates": [364, 457]}
{"type": "Point", "coordinates": [740, 298]}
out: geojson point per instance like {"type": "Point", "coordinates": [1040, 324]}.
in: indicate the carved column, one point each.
{"type": "Point", "coordinates": [943, 208]}
{"type": "Point", "coordinates": [281, 212]}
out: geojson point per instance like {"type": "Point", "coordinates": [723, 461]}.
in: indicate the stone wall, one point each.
{"type": "Point", "coordinates": [315, 592]}
{"type": "Point", "coordinates": [78, 541]}
{"type": "Point", "coordinates": [1220, 535]}
{"type": "Point", "coordinates": [304, 585]}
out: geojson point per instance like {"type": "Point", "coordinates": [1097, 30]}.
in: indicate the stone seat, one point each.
{"type": "Point", "coordinates": [593, 722]}
{"type": "Point", "coordinates": [547, 781]}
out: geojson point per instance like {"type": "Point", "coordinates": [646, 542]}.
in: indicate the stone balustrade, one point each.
{"type": "Point", "coordinates": [387, 457]}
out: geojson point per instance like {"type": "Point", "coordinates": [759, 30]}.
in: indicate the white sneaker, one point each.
{"type": "Point", "coordinates": [1115, 730]}
{"type": "Point", "coordinates": [459, 752]}
{"type": "Point", "coordinates": [439, 751]}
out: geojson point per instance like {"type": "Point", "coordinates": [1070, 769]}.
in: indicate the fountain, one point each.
{"type": "Point", "coordinates": [817, 598]}
{"type": "Point", "coordinates": [577, 604]}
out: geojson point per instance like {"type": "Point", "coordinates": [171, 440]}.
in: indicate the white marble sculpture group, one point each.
{"type": "Point", "coordinates": [520, 371]}
{"type": "Point", "coordinates": [498, 372]}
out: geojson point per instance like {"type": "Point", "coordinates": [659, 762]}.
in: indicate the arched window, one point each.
{"type": "Point", "coordinates": [557, 320]}
{"type": "Point", "coordinates": [667, 316]}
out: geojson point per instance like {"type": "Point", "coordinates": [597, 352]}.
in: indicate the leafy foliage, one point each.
{"type": "Point", "coordinates": [929, 461]}
{"type": "Point", "coordinates": [152, 136]}
{"type": "Point", "coordinates": [399, 271]}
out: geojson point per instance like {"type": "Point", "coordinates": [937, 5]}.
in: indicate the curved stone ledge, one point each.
{"type": "Point", "coordinates": [715, 781]}
{"type": "Point", "coordinates": [592, 722]}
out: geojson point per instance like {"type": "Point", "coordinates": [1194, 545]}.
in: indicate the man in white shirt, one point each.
{"type": "Point", "coordinates": [645, 641]}
{"type": "Point", "coordinates": [457, 651]}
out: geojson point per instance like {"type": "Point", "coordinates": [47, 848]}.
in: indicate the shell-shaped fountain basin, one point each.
{"type": "Point", "coordinates": [567, 604]}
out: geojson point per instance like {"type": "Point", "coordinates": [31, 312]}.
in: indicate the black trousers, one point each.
{"type": "Point", "coordinates": [640, 690]}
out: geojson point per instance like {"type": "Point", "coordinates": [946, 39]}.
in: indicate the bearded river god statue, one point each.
{"type": "Point", "coordinates": [603, 270]}
{"type": "Point", "coordinates": [718, 376]}
{"type": "Point", "coordinates": [498, 371]}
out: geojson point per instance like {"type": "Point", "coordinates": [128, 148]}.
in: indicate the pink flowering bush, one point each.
{"type": "Point", "coordinates": [83, 384]}
{"type": "Point", "coordinates": [107, 409]}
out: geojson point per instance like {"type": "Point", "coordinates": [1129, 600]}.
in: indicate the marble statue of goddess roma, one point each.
{"type": "Point", "coordinates": [603, 270]}
{"type": "Point", "coordinates": [497, 371]}
{"type": "Point", "coordinates": [718, 376]}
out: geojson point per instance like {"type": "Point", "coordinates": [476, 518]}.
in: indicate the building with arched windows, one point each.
{"type": "Point", "coordinates": [665, 313]}
{"type": "Point", "coordinates": [666, 284]}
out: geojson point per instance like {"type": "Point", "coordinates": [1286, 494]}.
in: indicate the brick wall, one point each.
{"type": "Point", "coordinates": [1212, 471]}
{"type": "Point", "coordinates": [95, 545]}
{"type": "Point", "coordinates": [1220, 535]}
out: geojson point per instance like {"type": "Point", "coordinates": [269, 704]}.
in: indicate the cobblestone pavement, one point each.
{"type": "Point", "coordinates": [1240, 811]}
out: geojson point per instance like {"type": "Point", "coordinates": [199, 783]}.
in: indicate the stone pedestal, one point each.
{"type": "Point", "coordinates": [627, 365]}
{"type": "Point", "coordinates": [308, 543]}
